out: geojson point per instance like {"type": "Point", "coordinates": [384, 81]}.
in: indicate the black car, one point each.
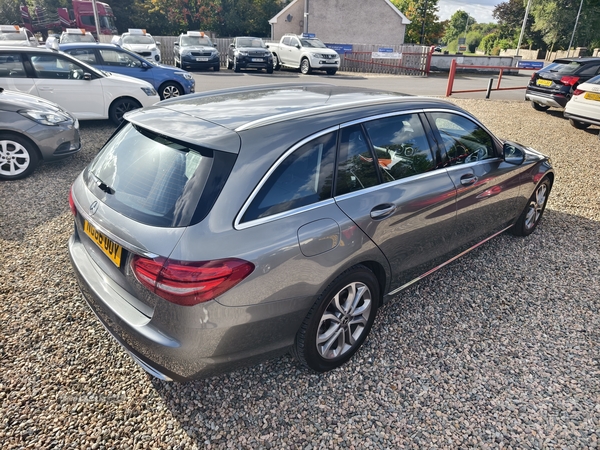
{"type": "Point", "coordinates": [553, 85]}
{"type": "Point", "coordinates": [249, 53]}
{"type": "Point", "coordinates": [194, 50]}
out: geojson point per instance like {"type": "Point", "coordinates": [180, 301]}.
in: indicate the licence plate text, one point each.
{"type": "Point", "coordinates": [201, 59]}
{"type": "Point", "coordinates": [110, 249]}
{"type": "Point", "coordinates": [591, 96]}
{"type": "Point", "coordinates": [257, 60]}
{"type": "Point", "coordinates": [541, 82]}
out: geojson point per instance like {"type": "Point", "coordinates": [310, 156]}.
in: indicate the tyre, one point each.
{"type": "Point", "coordinates": [229, 64]}
{"type": "Point", "coordinates": [119, 107]}
{"type": "Point", "coordinates": [339, 321]}
{"type": "Point", "coordinates": [532, 214]}
{"type": "Point", "coordinates": [539, 107]}
{"type": "Point", "coordinates": [236, 67]}
{"type": "Point", "coordinates": [170, 89]}
{"type": "Point", "coordinates": [270, 69]}
{"type": "Point", "coordinates": [579, 125]}
{"type": "Point", "coordinates": [217, 68]}
{"type": "Point", "coordinates": [18, 157]}
{"type": "Point", "coordinates": [276, 63]}
{"type": "Point", "coordinates": [331, 71]}
{"type": "Point", "coordinates": [305, 66]}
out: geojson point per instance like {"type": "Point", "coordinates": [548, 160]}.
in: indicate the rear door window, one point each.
{"type": "Point", "coordinates": [155, 180]}
{"type": "Point", "coordinates": [356, 167]}
{"type": "Point", "coordinates": [401, 146]}
{"type": "Point", "coordinates": [303, 178]}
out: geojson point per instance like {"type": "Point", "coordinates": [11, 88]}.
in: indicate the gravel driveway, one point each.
{"type": "Point", "coordinates": [500, 349]}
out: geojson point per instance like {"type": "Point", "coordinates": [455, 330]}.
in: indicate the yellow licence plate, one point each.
{"type": "Point", "coordinates": [591, 96]}
{"type": "Point", "coordinates": [541, 82]}
{"type": "Point", "coordinates": [112, 250]}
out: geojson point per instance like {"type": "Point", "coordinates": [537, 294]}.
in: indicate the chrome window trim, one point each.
{"type": "Point", "coordinates": [239, 225]}
{"type": "Point", "coordinates": [317, 110]}
{"type": "Point", "coordinates": [382, 116]}
{"type": "Point", "coordinates": [458, 167]}
{"type": "Point", "coordinates": [389, 184]}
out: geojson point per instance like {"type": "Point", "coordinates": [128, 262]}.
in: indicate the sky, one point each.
{"type": "Point", "coordinates": [481, 10]}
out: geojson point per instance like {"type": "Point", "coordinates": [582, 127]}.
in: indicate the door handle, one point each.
{"type": "Point", "coordinates": [382, 211]}
{"type": "Point", "coordinates": [468, 179]}
{"type": "Point", "coordinates": [45, 88]}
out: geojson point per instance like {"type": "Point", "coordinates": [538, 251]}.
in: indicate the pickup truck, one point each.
{"type": "Point", "coordinates": [304, 53]}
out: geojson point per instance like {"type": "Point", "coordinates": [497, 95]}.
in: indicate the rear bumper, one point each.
{"type": "Point", "coordinates": [546, 99]}
{"type": "Point", "coordinates": [584, 119]}
{"type": "Point", "coordinates": [185, 343]}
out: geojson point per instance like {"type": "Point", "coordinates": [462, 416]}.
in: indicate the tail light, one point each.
{"type": "Point", "coordinates": [72, 202]}
{"type": "Point", "coordinates": [569, 80]}
{"type": "Point", "coordinates": [189, 283]}
{"type": "Point", "coordinates": [578, 92]}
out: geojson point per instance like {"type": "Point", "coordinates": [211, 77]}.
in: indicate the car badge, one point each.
{"type": "Point", "coordinates": [93, 208]}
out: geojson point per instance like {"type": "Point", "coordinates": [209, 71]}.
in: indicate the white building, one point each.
{"type": "Point", "coordinates": [342, 21]}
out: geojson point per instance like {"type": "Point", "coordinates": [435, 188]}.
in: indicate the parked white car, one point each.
{"type": "Point", "coordinates": [583, 109]}
{"type": "Point", "coordinates": [16, 36]}
{"type": "Point", "coordinates": [76, 35]}
{"type": "Point", "coordinates": [138, 41]}
{"type": "Point", "coordinates": [84, 91]}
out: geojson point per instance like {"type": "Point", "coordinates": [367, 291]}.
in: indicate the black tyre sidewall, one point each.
{"type": "Point", "coordinates": [519, 228]}
{"type": "Point", "coordinates": [31, 149]}
{"type": "Point", "coordinates": [112, 113]}
{"type": "Point", "coordinates": [305, 348]}
{"type": "Point", "coordinates": [167, 84]}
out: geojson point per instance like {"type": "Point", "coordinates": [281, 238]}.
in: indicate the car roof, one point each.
{"type": "Point", "coordinates": [233, 110]}
{"type": "Point", "coordinates": [68, 45]}
{"type": "Point", "coordinates": [579, 60]}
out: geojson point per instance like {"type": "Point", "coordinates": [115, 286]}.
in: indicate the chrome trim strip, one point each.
{"type": "Point", "coordinates": [237, 222]}
{"type": "Point", "coordinates": [121, 242]}
{"type": "Point", "coordinates": [381, 116]}
{"type": "Point", "coordinates": [386, 185]}
{"type": "Point", "coordinates": [315, 110]}
{"type": "Point", "coordinates": [420, 277]}
{"type": "Point", "coordinates": [151, 370]}
{"type": "Point", "coordinates": [458, 167]}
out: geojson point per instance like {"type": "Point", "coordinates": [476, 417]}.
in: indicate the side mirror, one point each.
{"type": "Point", "coordinates": [513, 154]}
{"type": "Point", "coordinates": [176, 44]}
{"type": "Point", "coordinates": [157, 43]}
{"type": "Point", "coordinates": [145, 65]}
{"type": "Point", "coordinates": [87, 76]}
{"type": "Point", "coordinates": [232, 45]}
{"type": "Point", "coordinates": [298, 46]}
{"type": "Point", "coordinates": [267, 45]}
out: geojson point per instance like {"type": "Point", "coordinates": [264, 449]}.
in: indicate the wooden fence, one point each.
{"type": "Point", "coordinates": [415, 59]}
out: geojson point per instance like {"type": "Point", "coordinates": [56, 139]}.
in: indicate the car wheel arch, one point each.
{"type": "Point", "coordinates": [120, 99]}
{"type": "Point", "coordinates": [35, 158]}
{"type": "Point", "coordinates": [170, 83]}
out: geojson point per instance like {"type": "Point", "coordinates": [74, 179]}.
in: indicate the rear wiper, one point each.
{"type": "Point", "coordinates": [103, 186]}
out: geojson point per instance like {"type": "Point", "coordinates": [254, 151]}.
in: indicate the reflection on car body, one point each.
{"type": "Point", "coordinates": [258, 220]}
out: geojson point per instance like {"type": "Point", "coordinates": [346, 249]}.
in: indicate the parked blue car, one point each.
{"type": "Point", "coordinates": [168, 81]}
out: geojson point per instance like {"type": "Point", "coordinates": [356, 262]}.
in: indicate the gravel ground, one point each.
{"type": "Point", "coordinates": [497, 350]}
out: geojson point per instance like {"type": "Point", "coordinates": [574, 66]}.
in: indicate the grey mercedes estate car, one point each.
{"type": "Point", "coordinates": [218, 229]}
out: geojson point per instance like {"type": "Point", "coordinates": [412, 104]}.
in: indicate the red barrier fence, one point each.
{"type": "Point", "coordinates": [454, 66]}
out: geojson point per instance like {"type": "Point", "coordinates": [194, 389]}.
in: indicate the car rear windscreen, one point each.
{"type": "Point", "coordinates": [156, 180]}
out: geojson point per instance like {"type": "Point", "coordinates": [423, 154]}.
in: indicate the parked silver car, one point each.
{"type": "Point", "coordinates": [221, 228]}
{"type": "Point", "coordinates": [31, 130]}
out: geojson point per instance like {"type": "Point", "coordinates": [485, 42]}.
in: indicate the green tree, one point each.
{"type": "Point", "coordinates": [458, 26]}
{"type": "Point", "coordinates": [510, 16]}
{"type": "Point", "coordinates": [247, 17]}
{"type": "Point", "coordinates": [9, 12]}
{"type": "Point", "coordinates": [425, 26]}
{"type": "Point", "coordinates": [185, 15]}
{"type": "Point", "coordinates": [555, 20]}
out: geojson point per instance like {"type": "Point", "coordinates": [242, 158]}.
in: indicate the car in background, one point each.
{"type": "Point", "coordinates": [15, 36]}
{"type": "Point", "coordinates": [140, 42]}
{"type": "Point", "coordinates": [75, 35]}
{"type": "Point", "coordinates": [583, 109]}
{"type": "Point", "coordinates": [168, 81]}
{"type": "Point", "coordinates": [249, 53]}
{"type": "Point", "coordinates": [201, 249]}
{"type": "Point", "coordinates": [553, 86]}
{"type": "Point", "coordinates": [87, 93]}
{"type": "Point", "coordinates": [33, 130]}
{"type": "Point", "coordinates": [194, 50]}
